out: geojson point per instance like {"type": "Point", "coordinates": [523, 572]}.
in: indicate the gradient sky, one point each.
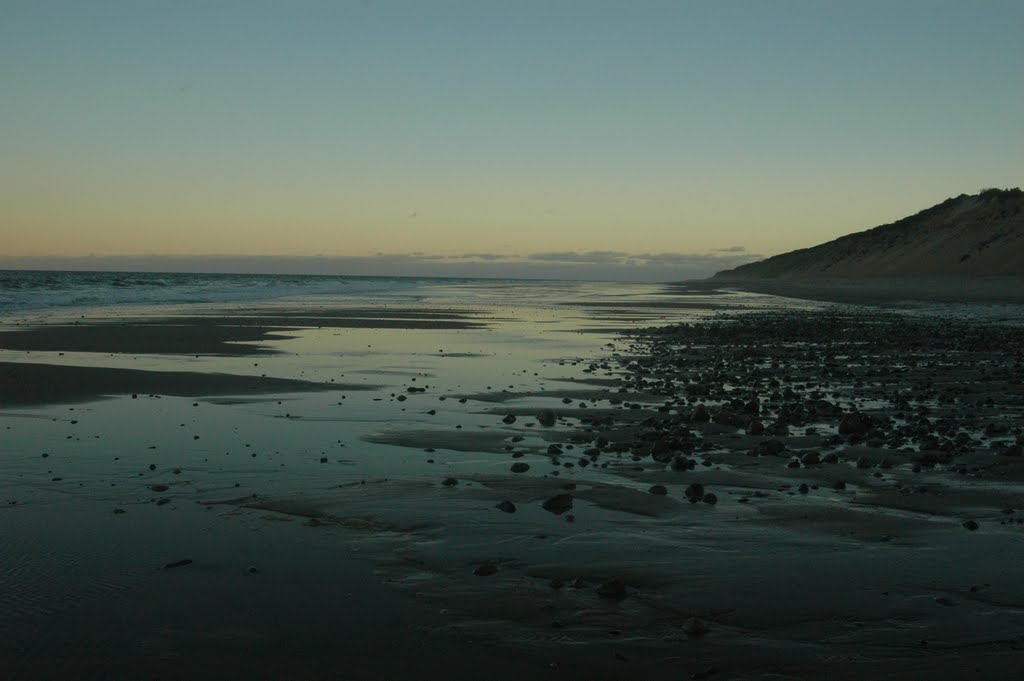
{"type": "Point", "coordinates": [507, 128]}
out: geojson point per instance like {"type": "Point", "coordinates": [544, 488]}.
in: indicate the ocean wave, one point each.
{"type": "Point", "coordinates": [36, 290]}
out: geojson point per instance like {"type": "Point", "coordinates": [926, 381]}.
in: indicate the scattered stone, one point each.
{"type": "Point", "coordinates": [178, 563]}
{"type": "Point", "coordinates": [971, 525]}
{"type": "Point", "coordinates": [658, 489]}
{"type": "Point", "coordinates": [558, 504]}
{"type": "Point", "coordinates": [506, 506]}
{"type": "Point", "coordinates": [810, 459]}
{"type": "Point", "coordinates": [520, 467]}
{"type": "Point", "coordinates": [486, 570]}
{"type": "Point", "coordinates": [546, 418]}
{"type": "Point", "coordinates": [614, 588]}
{"type": "Point", "coordinates": [695, 627]}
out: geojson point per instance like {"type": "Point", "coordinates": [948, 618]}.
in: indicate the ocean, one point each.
{"type": "Point", "coordinates": [42, 290]}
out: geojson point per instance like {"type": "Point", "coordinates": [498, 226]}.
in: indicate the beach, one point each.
{"type": "Point", "coordinates": [479, 479]}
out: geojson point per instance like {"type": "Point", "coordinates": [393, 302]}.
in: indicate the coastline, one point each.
{"type": "Point", "coordinates": [654, 530]}
{"type": "Point", "coordinates": [877, 291]}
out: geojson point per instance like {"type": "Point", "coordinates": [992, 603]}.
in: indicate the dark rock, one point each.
{"type": "Point", "coordinates": [159, 488]}
{"type": "Point", "coordinates": [614, 588]}
{"type": "Point", "coordinates": [506, 506]}
{"type": "Point", "coordinates": [695, 627]}
{"type": "Point", "coordinates": [855, 423]}
{"type": "Point", "coordinates": [178, 563]}
{"type": "Point", "coordinates": [486, 569]}
{"type": "Point", "coordinates": [710, 498]}
{"type": "Point", "coordinates": [520, 467]}
{"type": "Point", "coordinates": [658, 489]}
{"type": "Point", "coordinates": [449, 482]}
{"type": "Point", "coordinates": [546, 418]}
{"type": "Point", "coordinates": [971, 525]}
{"type": "Point", "coordinates": [700, 414]}
{"type": "Point", "coordinates": [509, 418]}
{"type": "Point", "coordinates": [558, 504]}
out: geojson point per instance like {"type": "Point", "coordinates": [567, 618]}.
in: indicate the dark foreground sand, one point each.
{"type": "Point", "coordinates": [790, 495]}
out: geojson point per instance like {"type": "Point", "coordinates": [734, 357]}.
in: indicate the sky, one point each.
{"type": "Point", "coordinates": [637, 138]}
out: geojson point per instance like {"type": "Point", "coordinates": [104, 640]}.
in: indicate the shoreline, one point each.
{"type": "Point", "coordinates": [877, 291]}
{"type": "Point", "coordinates": [748, 492]}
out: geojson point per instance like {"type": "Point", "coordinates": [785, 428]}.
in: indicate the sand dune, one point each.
{"type": "Point", "coordinates": [980, 235]}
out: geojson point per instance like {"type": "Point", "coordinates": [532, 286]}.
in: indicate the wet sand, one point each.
{"type": "Point", "coordinates": [877, 290]}
{"type": "Point", "coordinates": [828, 493]}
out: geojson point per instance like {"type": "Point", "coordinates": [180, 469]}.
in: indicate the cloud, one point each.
{"type": "Point", "coordinates": [480, 256]}
{"type": "Point", "coordinates": [731, 249]}
{"type": "Point", "coordinates": [592, 257]}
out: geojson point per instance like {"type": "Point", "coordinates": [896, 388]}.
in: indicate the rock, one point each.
{"type": "Point", "coordinates": [509, 418]}
{"type": "Point", "coordinates": [710, 498]}
{"type": "Point", "coordinates": [506, 506]}
{"type": "Point", "coordinates": [558, 504]}
{"type": "Point", "coordinates": [700, 414]}
{"type": "Point", "coordinates": [803, 488]}
{"type": "Point", "coordinates": [486, 570]}
{"type": "Point", "coordinates": [614, 588]}
{"type": "Point", "coordinates": [855, 423]}
{"type": "Point", "coordinates": [159, 488]}
{"type": "Point", "coordinates": [178, 563]}
{"type": "Point", "coordinates": [810, 459]}
{"type": "Point", "coordinates": [546, 418]}
{"type": "Point", "coordinates": [695, 627]}
{"type": "Point", "coordinates": [658, 489]}
{"type": "Point", "coordinates": [681, 463]}
{"type": "Point", "coordinates": [694, 491]}
{"type": "Point", "coordinates": [971, 525]}
{"type": "Point", "coordinates": [755, 428]}
{"type": "Point", "coordinates": [520, 467]}
{"type": "Point", "coordinates": [449, 482]}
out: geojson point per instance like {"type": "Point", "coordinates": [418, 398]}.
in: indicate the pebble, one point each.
{"type": "Point", "coordinates": [486, 570]}
{"type": "Point", "coordinates": [506, 506]}
{"type": "Point", "coordinates": [614, 588]}
{"type": "Point", "coordinates": [695, 627]}
{"type": "Point", "coordinates": [558, 504]}
{"type": "Point", "coordinates": [178, 563]}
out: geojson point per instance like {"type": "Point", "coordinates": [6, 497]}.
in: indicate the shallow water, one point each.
{"type": "Point", "coordinates": [319, 528]}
